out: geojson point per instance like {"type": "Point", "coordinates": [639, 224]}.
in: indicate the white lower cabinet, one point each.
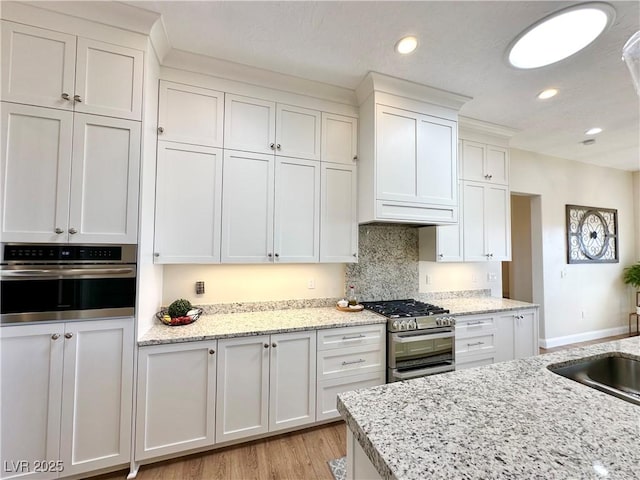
{"type": "Point", "coordinates": [264, 384]}
{"type": "Point", "coordinates": [348, 358]}
{"type": "Point", "coordinates": [518, 334]}
{"type": "Point", "coordinates": [66, 397]}
{"type": "Point", "coordinates": [176, 398]}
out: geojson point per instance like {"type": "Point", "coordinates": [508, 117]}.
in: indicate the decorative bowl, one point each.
{"type": "Point", "coordinates": [164, 317]}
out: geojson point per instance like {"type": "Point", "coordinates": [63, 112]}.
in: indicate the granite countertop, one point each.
{"type": "Point", "coordinates": [210, 327]}
{"type": "Point", "coordinates": [507, 420]}
{"type": "Point", "coordinates": [214, 323]}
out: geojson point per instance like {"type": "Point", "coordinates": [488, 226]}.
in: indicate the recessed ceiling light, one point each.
{"type": "Point", "coordinates": [548, 93]}
{"type": "Point", "coordinates": [593, 131]}
{"type": "Point", "coordinates": [560, 35]}
{"type": "Point", "coordinates": [406, 45]}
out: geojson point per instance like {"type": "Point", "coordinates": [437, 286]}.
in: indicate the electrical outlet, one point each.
{"type": "Point", "coordinates": [492, 277]}
{"type": "Point", "coordinates": [311, 284]}
{"type": "Point", "coordinates": [474, 278]}
{"type": "Point", "coordinates": [428, 279]}
{"type": "Point", "coordinates": [563, 273]}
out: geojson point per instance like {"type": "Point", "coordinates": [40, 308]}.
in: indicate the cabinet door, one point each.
{"type": "Point", "coordinates": [176, 398]}
{"type": "Point", "coordinates": [474, 222]}
{"type": "Point", "coordinates": [249, 124]}
{"type": "Point", "coordinates": [437, 167]}
{"type": "Point", "coordinates": [497, 165]}
{"type": "Point", "coordinates": [35, 174]}
{"type": "Point", "coordinates": [396, 154]}
{"type": "Point", "coordinates": [38, 66]}
{"type": "Point", "coordinates": [247, 207]}
{"type": "Point", "coordinates": [108, 80]}
{"type": "Point", "coordinates": [526, 334]}
{"type": "Point", "coordinates": [297, 132]}
{"type": "Point", "coordinates": [449, 243]}
{"type": "Point", "coordinates": [192, 115]}
{"type": "Point", "coordinates": [97, 395]}
{"type": "Point", "coordinates": [506, 323]}
{"type": "Point", "coordinates": [32, 357]}
{"type": "Point", "coordinates": [104, 183]}
{"type": "Point", "coordinates": [292, 393]}
{"type": "Point", "coordinates": [297, 211]}
{"type": "Point", "coordinates": [473, 161]}
{"type": "Point", "coordinates": [188, 204]}
{"type": "Point", "coordinates": [328, 390]}
{"type": "Point", "coordinates": [339, 222]}
{"type": "Point", "coordinates": [497, 220]}
{"type": "Point", "coordinates": [242, 388]}
{"type": "Point", "coordinates": [339, 139]}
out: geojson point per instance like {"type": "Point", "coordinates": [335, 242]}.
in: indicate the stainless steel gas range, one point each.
{"type": "Point", "coordinates": [420, 338]}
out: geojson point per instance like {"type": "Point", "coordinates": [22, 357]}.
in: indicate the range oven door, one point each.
{"type": "Point", "coordinates": [418, 353]}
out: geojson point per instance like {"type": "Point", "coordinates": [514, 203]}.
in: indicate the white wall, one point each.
{"type": "Point", "coordinates": [636, 203]}
{"type": "Point", "coordinates": [447, 277]}
{"type": "Point", "coordinates": [252, 283]}
{"type": "Point", "coordinates": [591, 297]}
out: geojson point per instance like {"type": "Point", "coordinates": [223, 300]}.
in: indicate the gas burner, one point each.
{"type": "Point", "coordinates": [410, 314]}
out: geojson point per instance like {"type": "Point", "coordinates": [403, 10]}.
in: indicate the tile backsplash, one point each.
{"type": "Point", "coordinates": [387, 266]}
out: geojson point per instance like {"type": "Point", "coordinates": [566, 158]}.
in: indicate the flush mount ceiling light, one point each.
{"type": "Point", "coordinates": [406, 45]}
{"type": "Point", "coordinates": [560, 35]}
{"type": "Point", "coordinates": [548, 93]}
{"type": "Point", "coordinates": [593, 131]}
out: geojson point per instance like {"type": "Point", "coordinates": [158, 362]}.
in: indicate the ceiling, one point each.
{"type": "Point", "coordinates": [462, 49]}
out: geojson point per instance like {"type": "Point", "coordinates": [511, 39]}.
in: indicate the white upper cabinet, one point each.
{"type": "Point", "coordinates": [188, 204]}
{"type": "Point", "coordinates": [38, 66]}
{"type": "Point", "coordinates": [104, 180]}
{"type": "Point", "coordinates": [485, 163]}
{"type": "Point", "coordinates": [189, 114]}
{"type": "Point", "coordinates": [261, 126]}
{"type": "Point", "coordinates": [487, 222]}
{"type": "Point", "coordinates": [339, 139]}
{"type": "Point", "coordinates": [339, 226]}
{"type": "Point", "coordinates": [45, 68]}
{"type": "Point", "coordinates": [297, 132]}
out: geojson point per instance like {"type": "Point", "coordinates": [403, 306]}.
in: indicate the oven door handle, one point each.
{"type": "Point", "coordinates": [422, 372]}
{"type": "Point", "coordinates": [40, 274]}
{"type": "Point", "coordinates": [422, 338]}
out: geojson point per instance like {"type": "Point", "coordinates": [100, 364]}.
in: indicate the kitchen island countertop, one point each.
{"type": "Point", "coordinates": [510, 420]}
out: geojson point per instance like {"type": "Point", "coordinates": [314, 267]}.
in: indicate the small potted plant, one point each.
{"type": "Point", "coordinates": [631, 276]}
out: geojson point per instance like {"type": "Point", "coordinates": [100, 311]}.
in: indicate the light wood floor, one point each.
{"type": "Point", "coordinates": [296, 456]}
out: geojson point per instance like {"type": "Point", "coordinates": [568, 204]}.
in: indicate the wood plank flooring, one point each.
{"type": "Point", "coordinates": [296, 456]}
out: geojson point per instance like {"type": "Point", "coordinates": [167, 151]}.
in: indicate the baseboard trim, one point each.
{"type": "Point", "coordinates": [582, 337]}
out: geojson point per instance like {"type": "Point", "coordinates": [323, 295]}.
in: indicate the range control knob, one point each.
{"type": "Point", "coordinates": [395, 325]}
{"type": "Point", "coordinates": [438, 322]}
{"type": "Point", "coordinates": [412, 324]}
{"type": "Point", "coordinates": [453, 320]}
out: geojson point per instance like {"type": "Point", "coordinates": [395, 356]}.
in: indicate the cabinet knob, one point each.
{"type": "Point", "coordinates": [212, 351]}
{"type": "Point", "coordinates": [156, 254]}
{"type": "Point", "coordinates": [277, 255]}
{"type": "Point", "coordinates": [160, 130]}
{"type": "Point", "coordinates": [65, 96]}
{"type": "Point", "coordinates": [266, 345]}
{"type": "Point", "coordinates": [490, 177]}
{"type": "Point", "coordinates": [58, 230]}
{"type": "Point", "coordinates": [278, 146]}
{"type": "Point", "coordinates": [355, 157]}
{"type": "Point", "coordinates": [77, 98]}
{"type": "Point", "coordinates": [274, 344]}
{"type": "Point", "coordinates": [269, 255]}
{"type": "Point", "coordinates": [73, 231]}
{"type": "Point", "coordinates": [491, 255]}
{"type": "Point", "coordinates": [440, 255]}
{"type": "Point", "coordinates": [55, 336]}
{"type": "Point", "coordinates": [272, 146]}
{"type": "Point", "coordinates": [355, 255]}
{"type": "Point", "coordinates": [68, 335]}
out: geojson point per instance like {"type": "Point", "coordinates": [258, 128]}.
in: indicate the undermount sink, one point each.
{"type": "Point", "coordinates": [614, 374]}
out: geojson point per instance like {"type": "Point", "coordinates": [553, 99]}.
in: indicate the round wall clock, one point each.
{"type": "Point", "coordinates": [592, 235]}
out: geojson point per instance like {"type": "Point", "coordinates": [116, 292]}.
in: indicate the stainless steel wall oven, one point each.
{"type": "Point", "coordinates": [47, 282]}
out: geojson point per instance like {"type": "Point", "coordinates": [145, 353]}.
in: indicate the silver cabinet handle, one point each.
{"type": "Point", "coordinates": [474, 344]}
{"type": "Point", "coordinates": [77, 98]}
{"type": "Point", "coordinates": [360, 360]}
{"type": "Point", "coordinates": [266, 345]}
{"type": "Point", "coordinates": [68, 335]}
{"type": "Point", "coordinates": [353, 337]}
{"type": "Point", "coordinates": [470, 324]}
{"type": "Point", "coordinates": [160, 130]}
{"type": "Point", "coordinates": [73, 231]}
{"type": "Point", "coordinates": [58, 230]}
{"type": "Point", "coordinates": [274, 344]}
{"type": "Point", "coordinates": [65, 96]}
{"type": "Point", "coordinates": [212, 351]}
{"type": "Point", "coordinates": [278, 146]}
{"type": "Point", "coordinates": [55, 336]}
{"type": "Point", "coordinates": [272, 146]}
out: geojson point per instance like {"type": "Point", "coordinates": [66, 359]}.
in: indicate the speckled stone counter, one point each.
{"type": "Point", "coordinates": [511, 420]}
{"type": "Point", "coordinates": [210, 327]}
{"type": "Point", "coordinates": [472, 305]}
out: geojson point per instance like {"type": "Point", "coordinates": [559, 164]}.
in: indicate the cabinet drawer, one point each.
{"type": "Point", "coordinates": [351, 337]}
{"type": "Point", "coordinates": [474, 325]}
{"type": "Point", "coordinates": [350, 361]}
{"type": "Point", "coordinates": [478, 343]}
{"type": "Point", "coordinates": [328, 391]}
{"type": "Point", "coordinates": [472, 361]}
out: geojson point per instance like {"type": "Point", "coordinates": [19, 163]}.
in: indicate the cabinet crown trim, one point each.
{"type": "Point", "coordinates": [378, 82]}
{"type": "Point", "coordinates": [480, 126]}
